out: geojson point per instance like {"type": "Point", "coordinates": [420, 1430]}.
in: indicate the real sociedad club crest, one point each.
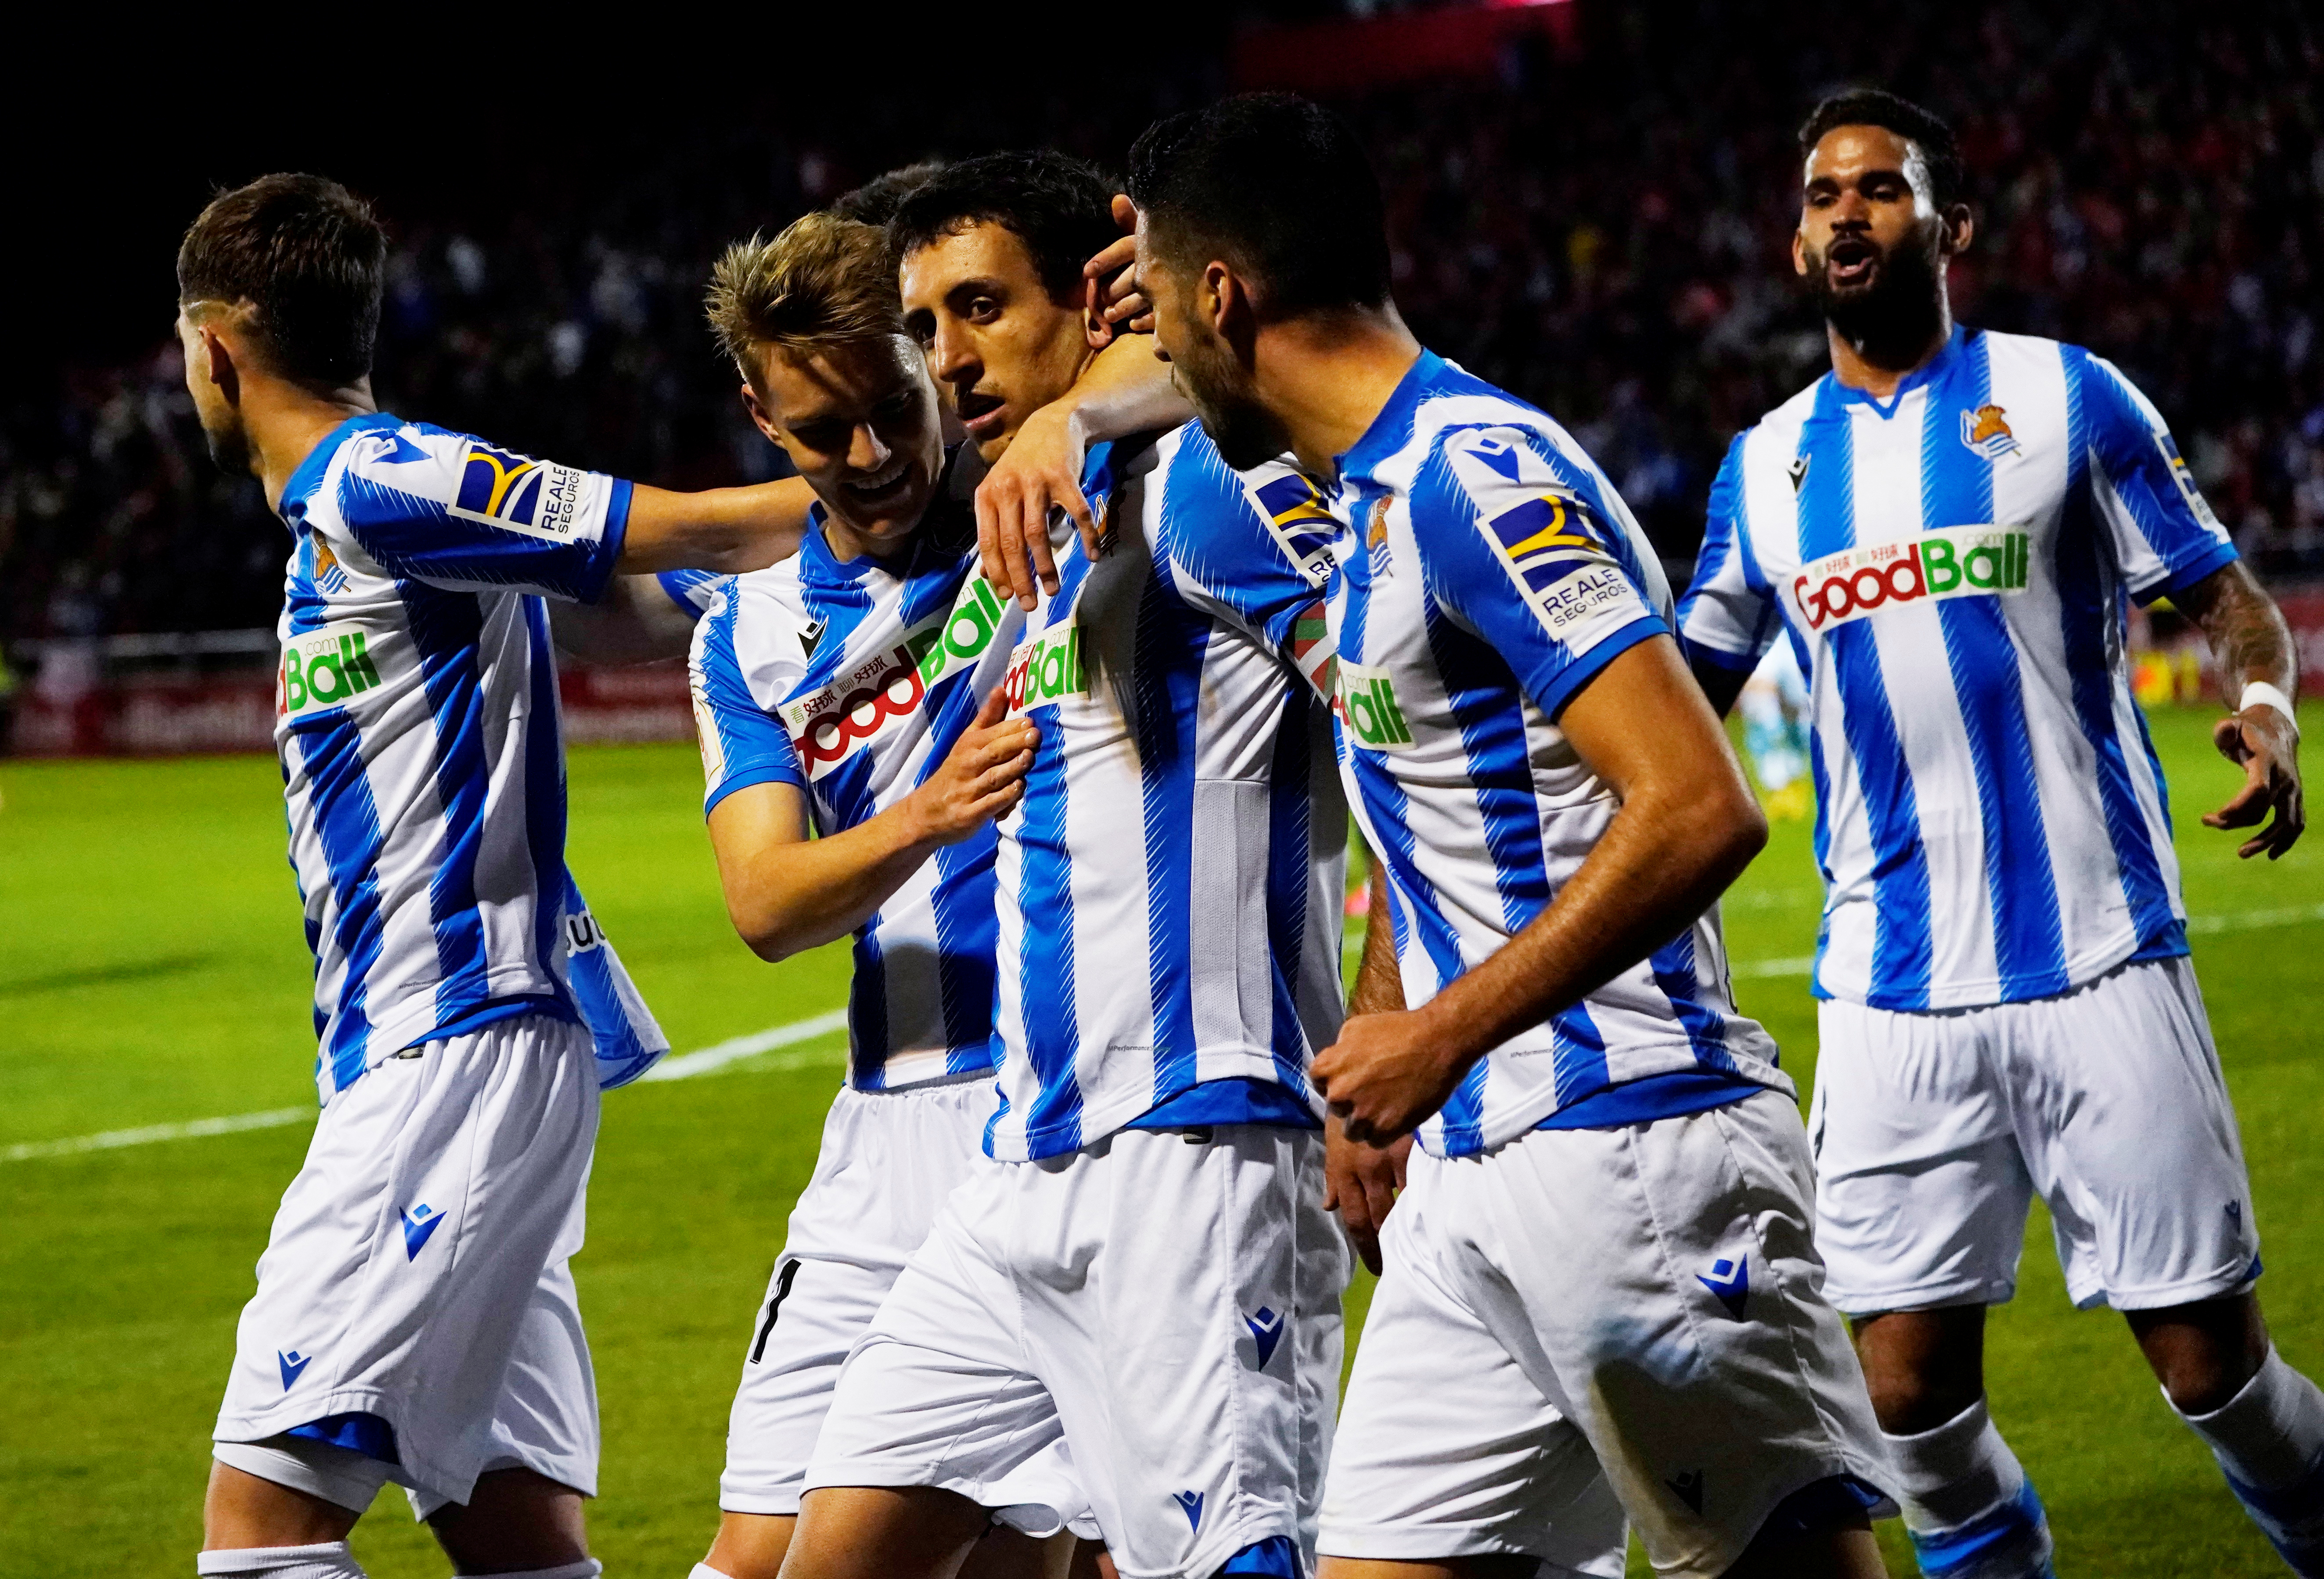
{"type": "Point", "coordinates": [1986, 430]}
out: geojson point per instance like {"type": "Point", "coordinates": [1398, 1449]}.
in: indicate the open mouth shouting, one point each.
{"type": "Point", "coordinates": [1850, 260]}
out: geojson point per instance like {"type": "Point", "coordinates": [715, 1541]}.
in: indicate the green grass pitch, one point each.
{"type": "Point", "coordinates": [151, 971]}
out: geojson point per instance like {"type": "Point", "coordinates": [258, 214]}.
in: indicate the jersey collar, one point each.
{"type": "Point", "coordinates": [1837, 394]}
{"type": "Point", "coordinates": [308, 475]}
{"type": "Point", "coordinates": [1391, 430]}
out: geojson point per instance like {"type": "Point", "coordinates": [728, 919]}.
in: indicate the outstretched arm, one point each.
{"type": "Point", "coordinates": [1688, 826]}
{"type": "Point", "coordinates": [786, 893]}
{"type": "Point", "coordinates": [726, 529]}
{"type": "Point", "coordinates": [2259, 672]}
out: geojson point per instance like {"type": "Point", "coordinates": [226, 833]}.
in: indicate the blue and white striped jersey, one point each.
{"type": "Point", "coordinates": [1952, 565]}
{"type": "Point", "coordinates": [1170, 885]}
{"type": "Point", "coordinates": [1498, 572]}
{"type": "Point", "coordinates": [418, 728]}
{"type": "Point", "coordinates": [852, 681]}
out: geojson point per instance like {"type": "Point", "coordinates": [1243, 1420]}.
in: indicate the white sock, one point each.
{"type": "Point", "coordinates": [2269, 1440]}
{"type": "Point", "coordinates": [1968, 1506]}
{"type": "Point", "coordinates": [704, 1571]}
{"type": "Point", "coordinates": [586, 1568]}
{"type": "Point", "coordinates": [2271, 1433]}
{"type": "Point", "coordinates": [329, 1560]}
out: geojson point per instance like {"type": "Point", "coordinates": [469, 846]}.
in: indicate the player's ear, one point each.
{"type": "Point", "coordinates": [1227, 305]}
{"type": "Point", "coordinates": [1800, 251]}
{"type": "Point", "coordinates": [222, 370]}
{"type": "Point", "coordinates": [759, 417]}
{"type": "Point", "coordinates": [1094, 327]}
{"type": "Point", "coordinates": [1961, 229]}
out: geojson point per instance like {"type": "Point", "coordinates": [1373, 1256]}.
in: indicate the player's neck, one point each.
{"type": "Point", "coordinates": [1880, 361]}
{"type": "Point", "coordinates": [286, 421]}
{"type": "Point", "coordinates": [1326, 377]}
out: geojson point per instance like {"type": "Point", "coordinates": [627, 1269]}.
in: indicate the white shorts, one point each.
{"type": "Point", "coordinates": [1934, 1131]}
{"type": "Point", "coordinates": [1165, 1309]}
{"type": "Point", "coordinates": [1639, 1305]}
{"type": "Point", "coordinates": [416, 1271]}
{"type": "Point", "coordinates": [890, 1159]}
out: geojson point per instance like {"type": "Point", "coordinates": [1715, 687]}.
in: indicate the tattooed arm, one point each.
{"type": "Point", "coordinates": [2251, 643]}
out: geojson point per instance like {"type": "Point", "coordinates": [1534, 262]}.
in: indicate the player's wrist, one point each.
{"type": "Point", "coordinates": [2259, 694]}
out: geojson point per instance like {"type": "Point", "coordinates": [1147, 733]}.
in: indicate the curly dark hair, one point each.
{"type": "Point", "coordinates": [1872, 106]}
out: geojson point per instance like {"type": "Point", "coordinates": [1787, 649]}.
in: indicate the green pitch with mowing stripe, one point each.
{"type": "Point", "coordinates": [152, 973]}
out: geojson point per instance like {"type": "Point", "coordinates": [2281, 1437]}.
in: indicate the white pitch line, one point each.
{"type": "Point", "coordinates": [686, 1065]}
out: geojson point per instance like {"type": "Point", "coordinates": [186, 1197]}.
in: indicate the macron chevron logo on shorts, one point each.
{"type": "Point", "coordinates": [1731, 1282]}
{"type": "Point", "coordinates": [1190, 1503]}
{"type": "Point", "coordinates": [292, 1363]}
{"type": "Point", "coordinates": [1266, 1331]}
{"type": "Point", "coordinates": [418, 1223]}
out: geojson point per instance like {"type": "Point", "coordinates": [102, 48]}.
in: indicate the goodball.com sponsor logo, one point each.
{"type": "Point", "coordinates": [1954, 561]}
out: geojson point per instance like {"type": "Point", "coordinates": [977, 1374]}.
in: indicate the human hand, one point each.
{"type": "Point", "coordinates": [2266, 745]}
{"type": "Point", "coordinates": [1385, 1074]}
{"type": "Point", "coordinates": [1115, 270]}
{"type": "Point", "coordinates": [1039, 472]}
{"type": "Point", "coordinates": [1361, 1182]}
{"type": "Point", "coordinates": [980, 779]}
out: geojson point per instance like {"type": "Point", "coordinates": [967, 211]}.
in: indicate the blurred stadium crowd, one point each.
{"type": "Point", "coordinates": [1603, 229]}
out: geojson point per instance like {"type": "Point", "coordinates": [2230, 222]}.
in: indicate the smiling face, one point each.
{"type": "Point", "coordinates": [859, 420]}
{"type": "Point", "coordinates": [994, 339]}
{"type": "Point", "coordinates": [1872, 243]}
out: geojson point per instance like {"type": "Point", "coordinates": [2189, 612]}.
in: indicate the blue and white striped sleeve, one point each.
{"type": "Point", "coordinates": [692, 590]}
{"type": "Point", "coordinates": [2162, 532]}
{"type": "Point", "coordinates": [1224, 533]}
{"type": "Point", "coordinates": [457, 513]}
{"type": "Point", "coordinates": [1522, 549]}
{"type": "Point", "coordinates": [742, 743]}
{"type": "Point", "coordinates": [1729, 618]}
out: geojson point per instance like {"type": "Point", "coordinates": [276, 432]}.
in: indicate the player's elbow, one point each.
{"type": "Point", "coordinates": [1720, 826]}
{"type": "Point", "coordinates": [1738, 827]}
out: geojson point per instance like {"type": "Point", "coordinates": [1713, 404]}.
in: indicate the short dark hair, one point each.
{"type": "Point", "coordinates": [1061, 209]}
{"type": "Point", "coordinates": [1276, 185]}
{"type": "Point", "coordinates": [876, 200]}
{"type": "Point", "coordinates": [1871, 106]}
{"type": "Point", "coordinates": [308, 255]}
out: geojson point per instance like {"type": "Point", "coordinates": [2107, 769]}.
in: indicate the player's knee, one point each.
{"type": "Point", "coordinates": [516, 1521]}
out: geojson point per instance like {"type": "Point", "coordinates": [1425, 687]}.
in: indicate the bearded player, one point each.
{"type": "Point", "coordinates": [1945, 526]}
{"type": "Point", "coordinates": [415, 1319]}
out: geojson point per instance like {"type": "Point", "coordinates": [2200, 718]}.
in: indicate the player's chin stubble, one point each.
{"type": "Point", "coordinates": [1246, 435]}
